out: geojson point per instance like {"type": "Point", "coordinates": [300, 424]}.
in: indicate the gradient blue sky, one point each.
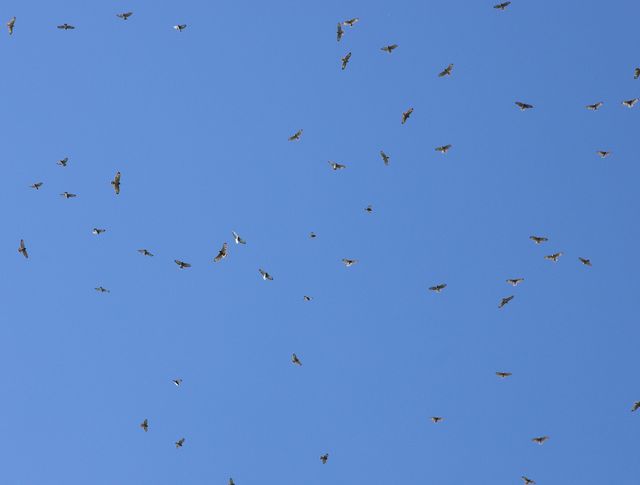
{"type": "Point", "coordinates": [197, 122]}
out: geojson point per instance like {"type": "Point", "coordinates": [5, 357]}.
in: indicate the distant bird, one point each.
{"type": "Point", "coordinates": [339, 32]}
{"type": "Point", "coordinates": [594, 107]}
{"type": "Point", "coordinates": [523, 106]}
{"type": "Point", "coordinates": [406, 115]}
{"type": "Point", "coordinates": [145, 425]}
{"type": "Point", "coordinates": [63, 162]}
{"type": "Point", "coordinates": [368, 209]}
{"type": "Point", "coordinates": [337, 166]}
{"type": "Point", "coordinates": [630, 103]}
{"type": "Point", "coordinates": [538, 239]}
{"type": "Point", "coordinates": [265, 276]}
{"type": "Point", "coordinates": [324, 458]}
{"type": "Point", "coordinates": [66, 27]}
{"type": "Point", "coordinates": [635, 407]}
{"type": "Point", "coordinates": [528, 481]}
{"type": "Point", "coordinates": [102, 289]}
{"type": "Point", "coordinates": [307, 298]}
{"type": "Point", "coordinates": [446, 71]}
{"type": "Point", "coordinates": [636, 73]}
{"type": "Point", "coordinates": [540, 440]}
{"type": "Point", "coordinates": [231, 482]}
{"type": "Point", "coordinates": [515, 281]}
{"type": "Point", "coordinates": [177, 382]}
{"type": "Point", "coordinates": [36, 186]}
{"type": "Point", "coordinates": [436, 419]}
{"type": "Point", "coordinates": [553, 257]}
{"type": "Point", "coordinates": [586, 262]}
{"type": "Point", "coordinates": [296, 135]}
{"type": "Point", "coordinates": [351, 22]}
{"type": "Point", "coordinates": [504, 375]}
{"type": "Point", "coordinates": [385, 157]}
{"type": "Point", "coordinates": [312, 235]}
{"type": "Point", "coordinates": [444, 148]}
{"type": "Point", "coordinates": [389, 48]}
{"type": "Point", "coordinates": [349, 262]}
{"type": "Point", "coordinates": [603, 153]}
{"type": "Point", "coordinates": [505, 301]}
{"type": "Point", "coordinates": [182, 264]}
{"type": "Point", "coordinates": [502, 6]}
{"type": "Point", "coordinates": [10, 24]}
{"type": "Point", "coordinates": [295, 360]}
{"type": "Point", "coordinates": [222, 253]}
{"type": "Point", "coordinates": [97, 231]}
{"type": "Point", "coordinates": [116, 183]}
{"type": "Point", "coordinates": [68, 195]}
{"type": "Point", "coordinates": [22, 249]}
{"type": "Point", "coordinates": [438, 288]}
{"type": "Point", "coordinates": [180, 27]}
{"type": "Point", "coordinates": [144, 252]}
{"type": "Point", "coordinates": [345, 60]}
{"type": "Point", "coordinates": [124, 15]}
{"type": "Point", "coordinates": [179, 443]}
{"type": "Point", "coordinates": [237, 238]}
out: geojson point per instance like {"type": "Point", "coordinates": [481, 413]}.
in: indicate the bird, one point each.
{"type": "Point", "coordinates": [144, 252]}
{"type": "Point", "coordinates": [436, 419]}
{"type": "Point", "coordinates": [595, 106]}
{"type": "Point", "coordinates": [438, 288]}
{"type": "Point", "coordinates": [369, 209]}
{"type": "Point", "coordinates": [124, 15]}
{"type": "Point", "coordinates": [10, 24]}
{"type": "Point", "coordinates": [538, 239]}
{"type": "Point", "coordinates": [603, 153]}
{"type": "Point", "coordinates": [528, 481]}
{"type": "Point", "coordinates": [36, 186]}
{"type": "Point", "coordinates": [295, 360]}
{"type": "Point", "coordinates": [515, 281]}
{"type": "Point", "coordinates": [179, 443]}
{"type": "Point", "coordinates": [296, 135]}
{"type": "Point", "coordinates": [177, 381]}
{"type": "Point", "coordinates": [116, 183]}
{"type": "Point", "coordinates": [222, 253]}
{"type": "Point", "coordinates": [446, 71]}
{"type": "Point", "coordinates": [351, 22]}
{"type": "Point", "coordinates": [349, 262]}
{"type": "Point", "coordinates": [635, 407]}
{"type": "Point", "coordinates": [385, 157]}
{"type": "Point", "coordinates": [22, 249]}
{"type": "Point", "coordinates": [307, 298]}
{"type": "Point", "coordinates": [505, 300]}
{"type": "Point", "coordinates": [444, 148]}
{"type": "Point", "coordinates": [182, 264]}
{"type": "Point", "coordinates": [265, 276]}
{"type": "Point", "coordinates": [540, 439]}
{"type": "Point", "coordinates": [312, 235]}
{"type": "Point", "coordinates": [145, 425]}
{"type": "Point", "coordinates": [97, 231]}
{"type": "Point", "coordinates": [523, 106]}
{"type": "Point", "coordinates": [68, 195]}
{"type": "Point", "coordinates": [66, 26]}
{"type": "Point", "coordinates": [389, 48]}
{"type": "Point", "coordinates": [324, 458]}
{"type": "Point", "coordinates": [237, 238]}
{"type": "Point", "coordinates": [337, 166]}
{"type": "Point", "coordinates": [63, 162]}
{"type": "Point", "coordinates": [406, 115]}
{"type": "Point", "coordinates": [502, 6]}
{"type": "Point", "coordinates": [585, 261]}
{"type": "Point", "coordinates": [102, 289]}
{"type": "Point", "coordinates": [636, 73]}
{"type": "Point", "coordinates": [345, 60]}
{"type": "Point", "coordinates": [504, 375]}
{"type": "Point", "coordinates": [231, 482]}
{"type": "Point", "coordinates": [630, 103]}
{"type": "Point", "coordinates": [553, 257]}
{"type": "Point", "coordinates": [180, 27]}
{"type": "Point", "coordinates": [339, 32]}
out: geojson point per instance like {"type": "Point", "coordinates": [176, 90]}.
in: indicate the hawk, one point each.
{"type": "Point", "coordinates": [504, 375]}
{"type": "Point", "coordinates": [96, 231]}
{"type": "Point", "coordinates": [36, 186]}
{"type": "Point", "coordinates": [265, 276]}
{"type": "Point", "coordinates": [438, 288]}
{"type": "Point", "coordinates": [345, 60]}
{"type": "Point", "coordinates": [594, 107]}
{"type": "Point", "coordinates": [523, 106]}
{"type": "Point", "coordinates": [436, 419]}
{"type": "Point", "coordinates": [296, 136]}
{"type": "Point", "coordinates": [339, 32]}
{"type": "Point", "coordinates": [180, 27]}
{"type": "Point", "coordinates": [145, 425]}
{"type": "Point", "coordinates": [144, 252]}
{"type": "Point", "coordinates": [406, 115]}
{"type": "Point", "coordinates": [182, 264]}
{"type": "Point", "coordinates": [222, 253]}
{"type": "Point", "coordinates": [528, 481]}
{"type": "Point", "coordinates": [295, 360]}
{"type": "Point", "coordinates": [10, 24]}
{"type": "Point", "coordinates": [179, 443]}
{"type": "Point", "coordinates": [22, 249]}
{"type": "Point", "coordinates": [349, 262]}
{"type": "Point", "coordinates": [116, 183]}
{"type": "Point", "coordinates": [124, 15]}
{"type": "Point", "coordinates": [444, 148]}
{"type": "Point", "coordinates": [177, 382]}
{"type": "Point", "coordinates": [66, 27]}
{"type": "Point", "coordinates": [505, 300]}
{"type": "Point", "coordinates": [635, 407]}
{"type": "Point", "coordinates": [630, 103]}
{"type": "Point", "coordinates": [540, 439]}
{"type": "Point", "coordinates": [389, 48]}
{"type": "Point", "coordinates": [446, 71]}
{"type": "Point", "coordinates": [324, 458]}
{"type": "Point", "coordinates": [337, 166]}
{"type": "Point", "coordinates": [603, 153]}
{"type": "Point", "coordinates": [515, 281]}
{"type": "Point", "coordinates": [368, 209]}
{"type": "Point", "coordinates": [553, 257]}
{"type": "Point", "coordinates": [538, 239]}
{"type": "Point", "coordinates": [502, 6]}
{"type": "Point", "coordinates": [237, 238]}
{"type": "Point", "coordinates": [385, 157]}
{"type": "Point", "coordinates": [68, 195]}
{"type": "Point", "coordinates": [102, 289]}
{"type": "Point", "coordinates": [307, 298]}
{"type": "Point", "coordinates": [585, 261]}
{"type": "Point", "coordinates": [63, 162]}
{"type": "Point", "coordinates": [351, 22]}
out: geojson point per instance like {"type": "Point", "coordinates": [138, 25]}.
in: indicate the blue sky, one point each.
{"type": "Point", "coordinates": [197, 122]}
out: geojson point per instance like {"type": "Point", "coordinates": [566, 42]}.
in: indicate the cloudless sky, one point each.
{"type": "Point", "coordinates": [197, 122]}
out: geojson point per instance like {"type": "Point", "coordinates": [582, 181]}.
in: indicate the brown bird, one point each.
{"type": "Point", "coordinates": [36, 186]}
{"type": "Point", "coordinates": [222, 253]}
{"type": "Point", "coordinates": [10, 24]}
{"type": "Point", "coordinates": [436, 419]}
{"type": "Point", "coordinates": [351, 22]}
{"type": "Point", "coordinates": [438, 288]}
{"type": "Point", "coordinates": [523, 106]}
{"type": "Point", "coordinates": [349, 262]}
{"type": "Point", "coordinates": [339, 32]}
{"type": "Point", "coordinates": [144, 252]}
{"type": "Point", "coordinates": [538, 239]}
{"type": "Point", "coordinates": [528, 481]}
{"type": "Point", "coordinates": [66, 27]}
{"type": "Point", "coordinates": [504, 375]}
{"type": "Point", "coordinates": [124, 15]}
{"type": "Point", "coordinates": [636, 406]}
{"type": "Point", "coordinates": [586, 262]}
{"type": "Point", "coordinates": [389, 48]}
{"type": "Point", "coordinates": [22, 249]}
{"type": "Point", "coordinates": [505, 300]}
{"type": "Point", "coordinates": [594, 107]}
{"type": "Point", "coordinates": [385, 157]}
{"type": "Point", "coordinates": [145, 425]}
{"type": "Point", "coordinates": [553, 257]}
{"type": "Point", "coordinates": [295, 360]}
{"type": "Point", "coordinates": [182, 264]}
{"type": "Point", "coordinates": [444, 148]}
{"type": "Point", "coordinates": [116, 183]}
{"type": "Point", "coordinates": [406, 115]}
{"type": "Point", "coordinates": [324, 458]}
{"type": "Point", "coordinates": [179, 443]}
{"type": "Point", "coordinates": [265, 276]}
{"type": "Point", "coordinates": [603, 153]}
{"type": "Point", "coordinates": [345, 60]}
{"type": "Point", "coordinates": [337, 166]}
{"type": "Point", "coordinates": [540, 440]}
{"type": "Point", "coordinates": [296, 136]}
{"type": "Point", "coordinates": [630, 103]}
{"type": "Point", "coordinates": [515, 281]}
{"type": "Point", "coordinates": [68, 195]}
{"type": "Point", "coordinates": [446, 71]}
{"type": "Point", "coordinates": [502, 6]}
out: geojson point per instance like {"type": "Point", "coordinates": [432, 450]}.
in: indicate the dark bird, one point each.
{"type": "Point", "coordinates": [66, 27]}
{"type": "Point", "coordinates": [515, 281]}
{"type": "Point", "coordinates": [237, 238]}
{"type": "Point", "coordinates": [446, 71]}
{"type": "Point", "coordinates": [345, 60]}
{"type": "Point", "coordinates": [145, 425]}
{"type": "Point", "coordinates": [144, 252]}
{"type": "Point", "coordinates": [603, 153]}
{"type": "Point", "coordinates": [540, 439]}
{"type": "Point", "coordinates": [349, 262]}
{"type": "Point", "coordinates": [324, 458]}
{"type": "Point", "coordinates": [180, 27]}
{"type": "Point", "coordinates": [68, 195]}
{"type": "Point", "coordinates": [385, 157]}
{"type": "Point", "coordinates": [22, 249]}
{"type": "Point", "coordinates": [406, 115]}
{"type": "Point", "coordinates": [339, 32]}
{"type": "Point", "coordinates": [179, 443]}
{"type": "Point", "coordinates": [504, 375]}
{"type": "Point", "coordinates": [295, 360]}
{"type": "Point", "coordinates": [636, 73]}
{"type": "Point", "coordinates": [231, 482]}
{"type": "Point", "coordinates": [351, 22]}
{"type": "Point", "coordinates": [630, 103]}
{"type": "Point", "coordinates": [312, 235]}
{"type": "Point", "coordinates": [36, 186]}
{"type": "Point", "coordinates": [389, 48]}
{"type": "Point", "coordinates": [102, 289]}
{"type": "Point", "coordinates": [307, 298]}
{"type": "Point", "coordinates": [296, 135]}
{"type": "Point", "coordinates": [63, 162]}
{"type": "Point", "coordinates": [586, 262]}
{"type": "Point", "coordinates": [502, 6]}
{"type": "Point", "coordinates": [523, 106]}
{"type": "Point", "coordinates": [124, 15]}
{"type": "Point", "coordinates": [337, 166]}
{"type": "Point", "coordinates": [369, 209]}
{"type": "Point", "coordinates": [436, 419]}
{"type": "Point", "coordinates": [553, 257]}
{"type": "Point", "coordinates": [96, 231]}
{"type": "Point", "coordinates": [116, 183]}
{"type": "Point", "coordinates": [538, 239]}
{"type": "Point", "coordinates": [528, 481]}
{"type": "Point", "coordinates": [222, 253]}
{"type": "Point", "coordinates": [10, 24]}
{"type": "Point", "coordinates": [177, 381]}
{"type": "Point", "coordinates": [438, 288]}
{"type": "Point", "coordinates": [594, 107]}
{"type": "Point", "coordinates": [444, 148]}
{"type": "Point", "coordinates": [182, 264]}
{"type": "Point", "coordinates": [265, 276]}
{"type": "Point", "coordinates": [635, 407]}
{"type": "Point", "coordinates": [505, 300]}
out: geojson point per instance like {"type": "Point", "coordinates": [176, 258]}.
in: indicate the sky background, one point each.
{"type": "Point", "coordinates": [197, 122]}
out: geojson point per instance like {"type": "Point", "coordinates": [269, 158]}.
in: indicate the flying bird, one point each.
{"type": "Point", "coordinates": [594, 107]}
{"type": "Point", "coordinates": [635, 407]}
{"type": "Point", "coordinates": [63, 162]}
{"type": "Point", "coordinates": [179, 443]}
{"type": "Point", "coordinates": [116, 183]}
{"type": "Point", "coordinates": [504, 375]}
{"type": "Point", "coordinates": [351, 22]}
{"type": "Point", "coordinates": [144, 252]}
{"type": "Point", "coordinates": [603, 153]}
{"type": "Point", "coordinates": [505, 300]}
{"type": "Point", "coordinates": [36, 186]}
{"type": "Point", "coordinates": [22, 249]}
{"type": "Point", "coordinates": [446, 71]}
{"type": "Point", "coordinates": [124, 15]}
{"type": "Point", "coordinates": [337, 166]}
{"type": "Point", "coordinates": [436, 419]}
{"type": "Point", "coordinates": [68, 195]}
{"type": "Point", "coordinates": [345, 60]}
{"type": "Point", "coordinates": [295, 360]}
{"type": "Point", "coordinates": [10, 24]}
{"type": "Point", "coordinates": [523, 106]}
{"type": "Point", "coordinates": [96, 231]}
{"type": "Point", "coordinates": [528, 481]}
{"type": "Point", "coordinates": [538, 239]}
{"type": "Point", "coordinates": [438, 288]}
{"type": "Point", "coordinates": [406, 115]}
{"type": "Point", "coordinates": [237, 238]}
{"type": "Point", "coordinates": [182, 264]}
{"type": "Point", "coordinates": [324, 458]}
{"type": "Point", "coordinates": [180, 27]}
{"type": "Point", "coordinates": [145, 425]}
{"type": "Point", "coordinates": [222, 253]}
{"type": "Point", "coordinates": [231, 482]}
{"type": "Point", "coordinates": [540, 439]}
{"type": "Point", "coordinates": [296, 135]}
{"type": "Point", "coordinates": [385, 157]}
{"type": "Point", "coordinates": [369, 209]}
{"type": "Point", "coordinates": [444, 148]}
{"type": "Point", "coordinates": [349, 262]}
{"type": "Point", "coordinates": [66, 27]}
{"type": "Point", "coordinates": [265, 276]}
{"type": "Point", "coordinates": [312, 235]}
{"type": "Point", "coordinates": [339, 32]}
{"type": "Point", "coordinates": [502, 6]}
{"type": "Point", "coordinates": [630, 103]}
{"type": "Point", "coordinates": [102, 289]}
{"type": "Point", "coordinates": [177, 382]}
{"type": "Point", "coordinates": [389, 48]}
{"type": "Point", "coordinates": [553, 257]}
{"type": "Point", "coordinates": [515, 281]}
{"type": "Point", "coordinates": [307, 298]}
{"type": "Point", "coordinates": [585, 261]}
{"type": "Point", "coordinates": [636, 73]}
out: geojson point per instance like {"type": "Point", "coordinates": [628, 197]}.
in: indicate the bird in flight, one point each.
{"type": "Point", "coordinates": [595, 106]}
{"type": "Point", "coordinates": [177, 381]}
{"type": "Point", "coordinates": [339, 32]}
{"type": "Point", "coordinates": [36, 186]}
{"type": "Point", "coordinates": [385, 157]}
{"type": "Point", "coordinates": [68, 195]}
{"type": "Point", "coordinates": [182, 264]}
{"type": "Point", "coordinates": [444, 148]}
{"type": "Point", "coordinates": [296, 135]}
{"type": "Point", "coordinates": [66, 26]}
{"type": "Point", "coordinates": [540, 439]}
{"type": "Point", "coordinates": [312, 235]}
{"type": "Point", "coordinates": [265, 276]}
{"type": "Point", "coordinates": [528, 481]}
{"type": "Point", "coordinates": [406, 115]}
{"type": "Point", "coordinates": [102, 289]}
{"type": "Point", "coordinates": [337, 166]}
{"type": "Point", "coordinates": [553, 257]}
{"type": "Point", "coordinates": [222, 253]}
{"type": "Point", "coordinates": [523, 106]}
{"type": "Point", "coordinates": [635, 407]}
{"type": "Point", "coordinates": [502, 6]}
{"type": "Point", "coordinates": [630, 103]}
{"type": "Point", "coordinates": [351, 22]}
{"type": "Point", "coordinates": [10, 24]}
{"type": "Point", "coordinates": [505, 300]}
{"type": "Point", "coordinates": [307, 298]}
{"type": "Point", "coordinates": [237, 238]}
{"type": "Point", "coordinates": [124, 15]}
{"type": "Point", "coordinates": [22, 249]}
{"type": "Point", "coordinates": [369, 209]}
{"type": "Point", "coordinates": [603, 153]}
{"type": "Point", "coordinates": [231, 482]}
{"type": "Point", "coordinates": [96, 231]}
{"type": "Point", "coordinates": [349, 262]}
{"type": "Point", "coordinates": [145, 425]}
{"type": "Point", "coordinates": [585, 261]}
{"type": "Point", "coordinates": [179, 443]}
{"type": "Point", "coordinates": [438, 288]}
{"type": "Point", "coordinates": [515, 281]}
{"type": "Point", "coordinates": [446, 71]}
{"type": "Point", "coordinates": [116, 183]}
{"type": "Point", "coordinates": [636, 73]}
{"type": "Point", "coordinates": [324, 458]}
{"type": "Point", "coordinates": [345, 60]}
{"type": "Point", "coordinates": [180, 27]}
{"type": "Point", "coordinates": [295, 360]}
{"type": "Point", "coordinates": [436, 419]}
{"type": "Point", "coordinates": [63, 162]}
{"type": "Point", "coordinates": [144, 252]}
{"type": "Point", "coordinates": [504, 375]}
{"type": "Point", "coordinates": [538, 239]}
{"type": "Point", "coordinates": [389, 48]}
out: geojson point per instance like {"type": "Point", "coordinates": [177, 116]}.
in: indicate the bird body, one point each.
{"type": "Point", "coordinates": [349, 262]}
{"type": "Point", "coordinates": [295, 360]}
{"type": "Point", "coordinates": [444, 148]}
{"type": "Point", "coordinates": [504, 375]}
{"type": "Point", "coordinates": [102, 289]}
{"type": "Point", "coordinates": [528, 481]}
{"type": "Point", "coordinates": [515, 281]}
{"type": "Point", "coordinates": [351, 22]}
{"type": "Point", "coordinates": [324, 458]}
{"type": "Point", "coordinates": [446, 71]}
{"type": "Point", "coordinates": [336, 166]}
{"type": "Point", "coordinates": [406, 115]}
{"type": "Point", "coordinates": [505, 301]}
{"type": "Point", "coordinates": [63, 162]}
{"type": "Point", "coordinates": [116, 183]}
{"type": "Point", "coordinates": [180, 27]}
{"type": "Point", "coordinates": [438, 288]}
{"type": "Point", "coordinates": [36, 186]}
{"type": "Point", "coordinates": [603, 153]}
{"type": "Point", "coordinates": [265, 276]}
{"type": "Point", "coordinates": [22, 249]}
{"type": "Point", "coordinates": [630, 103]}
{"type": "Point", "coordinates": [10, 24]}
{"type": "Point", "coordinates": [540, 439]}
{"type": "Point", "coordinates": [296, 135]}
{"type": "Point", "coordinates": [436, 419]}
{"type": "Point", "coordinates": [345, 60]}
{"type": "Point", "coordinates": [124, 15]}
{"type": "Point", "coordinates": [97, 231]}
{"type": "Point", "coordinates": [339, 32]}
{"type": "Point", "coordinates": [636, 73]}
{"type": "Point", "coordinates": [385, 157]}
{"type": "Point", "coordinates": [553, 257]}
{"type": "Point", "coordinates": [66, 26]}
{"type": "Point", "coordinates": [179, 443]}
{"type": "Point", "coordinates": [585, 261]}
{"type": "Point", "coordinates": [222, 253]}
{"type": "Point", "coordinates": [523, 106]}
{"type": "Point", "coordinates": [502, 6]}
{"type": "Point", "coordinates": [538, 239]}
{"type": "Point", "coordinates": [68, 195]}
{"type": "Point", "coordinates": [145, 425]}
{"type": "Point", "coordinates": [182, 264]}
{"type": "Point", "coordinates": [635, 407]}
{"type": "Point", "coordinates": [144, 252]}
{"type": "Point", "coordinates": [177, 381]}
{"type": "Point", "coordinates": [594, 107]}
{"type": "Point", "coordinates": [389, 48]}
{"type": "Point", "coordinates": [237, 238]}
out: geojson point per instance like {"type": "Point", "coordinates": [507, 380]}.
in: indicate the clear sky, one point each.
{"type": "Point", "coordinates": [197, 122]}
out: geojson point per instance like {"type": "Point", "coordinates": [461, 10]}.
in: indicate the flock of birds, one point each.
{"type": "Point", "coordinates": [224, 250]}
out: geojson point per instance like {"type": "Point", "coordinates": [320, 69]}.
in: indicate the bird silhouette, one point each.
{"type": "Point", "coordinates": [540, 439]}
{"type": "Point", "coordinates": [594, 107]}
{"type": "Point", "coordinates": [349, 262]}
{"type": "Point", "coordinates": [389, 48]}
{"type": "Point", "coordinates": [22, 249]}
{"type": "Point", "coordinates": [630, 103]}
{"type": "Point", "coordinates": [585, 261]}
{"type": "Point", "coordinates": [538, 239]}
{"type": "Point", "coordinates": [237, 238]}
{"type": "Point", "coordinates": [505, 301]}
{"type": "Point", "coordinates": [523, 106]}
{"type": "Point", "coordinates": [11, 24]}
{"type": "Point", "coordinates": [406, 115]}
{"type": "Point", "coordinates": [502, 6]}
{"type": "Point", "coordinates": [182, 264]}
{"type": "Point", "coordinates": [144, 252]}
{"type": "Point", "coordinates": [345, 60]}
{"type": "Point", "coordinates": [553, 257]}
{"type": "Point", "coordinates": [296, 135]}
{"type": "Point", "coordinates": [36, 186]}
{"type": "Point", "coordinates": [339, 32]}
{"type": "Point", "coordinates": [436, 419]}
{"type": "Point", "coordinates": [145, 425]}
{"type": "Point", "coordinates": [385, 157]}
{"type": "Point", "coordinates": [265, 276]}
{"type": "Point", "coordinates": [515, 281]}
{"type": "Point", "coordinates": [180, 27]}
{"type": "Point", "coordinates": [68, 195]}
{"type": "Point", "coordinates": [351, 22]}
{"type": "Point", "coordinates": [444, 148]}
{"type": "Point", "coordinates": [446, 71]}
{"type": "Point", "coordinates": [504, 375]}
{"type": "Point", "coordinates": [179, 443]}
{"type": "Point", "coordinates": [296, 360]}
{"type": "Point", "coordinates": [222, 253]}
{"type": "Point", "coordinates": [116, 183]}
{"type": "Point", "coordinates": [66, 26]}
{"type": "Point", "coordinates": [324, 458]}
{"type": "Point", "coordinates": [124, 15]}
{"type": "Point", "coordinates": [438, 288]}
